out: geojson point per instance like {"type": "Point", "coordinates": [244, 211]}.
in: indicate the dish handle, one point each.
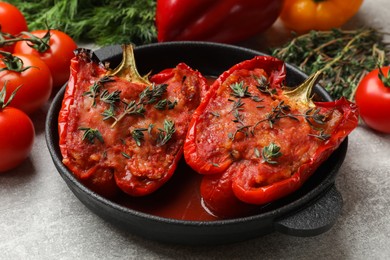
{"type": "Point", "coordinates": [316, 219]}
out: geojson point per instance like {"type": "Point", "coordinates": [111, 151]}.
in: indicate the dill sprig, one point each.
{"type": "Point", "coordinates": [103, 22]}
{"type": "Point", "coordinates": [344, 56]}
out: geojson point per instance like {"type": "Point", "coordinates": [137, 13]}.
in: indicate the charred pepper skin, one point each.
{"type": "Point", "coordinates": [256, 142]}
{"type": "Point", "coordinates": [226, 21]}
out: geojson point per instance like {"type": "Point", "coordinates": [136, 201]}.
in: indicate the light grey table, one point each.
{"type": "Point", "coordinates": [40, 218]}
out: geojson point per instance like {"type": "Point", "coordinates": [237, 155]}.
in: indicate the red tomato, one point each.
{"type": "Point", "coordinates": [16, 137]}
{"type": "Point", "coordinates": [373, 100]}
{"type": "Point", "coordinates": [12, 21]}
{"type": "Point", "coordinates": [36, 83]}
{"type": "Point", "coordinates": [57, 57]}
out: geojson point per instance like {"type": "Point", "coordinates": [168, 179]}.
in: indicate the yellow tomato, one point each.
{"type": "Point", "coordinates": [304, 15]}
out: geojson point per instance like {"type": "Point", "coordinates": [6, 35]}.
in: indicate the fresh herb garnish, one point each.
{"type": "Point", "coordinates": [94, 90]}
{"type": "Point", "coordinates": [165, 134]}
{"type": "Point", "coordinates": [239, 90]}
{"type": "Point", "coordinates": [150, 95]}
{"type": "Point", "coordinates": [165, 104]}
{"type": "Point", "coordinates": [263, 85]}
{"type": "Point", "coordinates": [126, 155]}
{"type": "Point", "coordinates": [270, 152]}
{"type": "Point", "coordinates": [91, 134]}
{"type": "Point", "coordinates": [322, 135]}
{"type": "Point", "coordinates": [138, 135]}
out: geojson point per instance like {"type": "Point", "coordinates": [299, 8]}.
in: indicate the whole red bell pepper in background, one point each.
{"type": "Point", "coordinates": [226, 21]}
{"type": "Point", "coordinates": [255, 142]}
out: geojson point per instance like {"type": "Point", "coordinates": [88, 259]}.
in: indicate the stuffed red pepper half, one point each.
{"type": "Point", "coordinates": [256, 141]}
{"type": "Point", "coordinates": [121, 131]}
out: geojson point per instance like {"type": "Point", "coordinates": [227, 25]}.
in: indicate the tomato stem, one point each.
{"type": "Point", "coordinates": [12, 63]}
{"type": "Point", "coordinates": [3, 93]}
{"type": "Point", "coordinates": [385, 79]}
{"type": "Point", "coordinates": [39, 44]}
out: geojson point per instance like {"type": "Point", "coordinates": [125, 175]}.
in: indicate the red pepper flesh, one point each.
{"type": "Point", "coordinates": [231, 131]}
{"type": "Point", "coordinates": [226, 21]}
{"type": "Point", "coordinates": [117, 162]}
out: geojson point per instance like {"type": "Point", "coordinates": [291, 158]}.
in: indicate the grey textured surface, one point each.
{"type": "Point", "coordinates": [41, 219]}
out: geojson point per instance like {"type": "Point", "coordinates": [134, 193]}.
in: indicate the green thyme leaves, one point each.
{"type": "Point", "coordinates": [344, 56]}
{"type": "Point", "coordinates": [95, 88]}
{"type": "Point", "coordinates": [150, 95]}
{"type": "Point", "coordinates": [91, 134]}
{"type": "Point", "coordinates": [270, 152]}
{"type": "Point", "coordinates": [239, 90]}
{"type": "Point", "coordinates": [119, 108]}
{"type": "Point", "coordinates": [138, 135]}
{"type": "Point", "coordinates": [165, 134]}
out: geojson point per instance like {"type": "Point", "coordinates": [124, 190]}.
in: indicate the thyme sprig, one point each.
{"type": "Point", "coordinates": [344, 57]}
{"type": "Point", "coordinates": [138, 135]}
{"type": "Point", "coordinates": [239, 90]}
{"type": "Point", "coordinates": [165, 134]}
{"type": "Point", "coordinates": [270, 153]}
{"type": "Point", "coordinates": [264, 86]}
{"type": "Point", "coordinates": [95, 88]}
{"type": "Point", "coordinates": [281, 110]}
{"type": "Point", "coordinates": [150, 95]}
{"type": "Point", "coordinates": [91, 134]}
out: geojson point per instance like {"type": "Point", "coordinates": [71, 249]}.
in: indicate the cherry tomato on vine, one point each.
{"type": "Point", "coordinates": [305, 15]}
{"type": "Point", "coordinates": [55, 49]}
{"type": "Point", "coordinates": [32, 75]}
{"type": "Point", "coordinates": [16, 135]}
{"type": "Point", "coordinates": [12, 21]}
{"type": "Point", "coordinates": [373, 99]}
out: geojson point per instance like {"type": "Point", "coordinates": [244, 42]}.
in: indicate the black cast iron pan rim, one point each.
{"type": "Point", "coordinates": [290, 208]}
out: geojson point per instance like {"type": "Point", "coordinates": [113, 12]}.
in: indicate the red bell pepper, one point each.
{"type": "Point", "coordinates": [256, 142]}
{"type": "Point", "coordinates": [120, 131]}
{"type": "Point", "coordinates": [227, 21]}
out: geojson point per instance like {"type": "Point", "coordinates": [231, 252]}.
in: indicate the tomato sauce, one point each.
{"type": "Point", "coordinates": [178, 199]}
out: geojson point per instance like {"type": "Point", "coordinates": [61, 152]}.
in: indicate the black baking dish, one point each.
{"type": "Point", "coordinates": [310, 211]}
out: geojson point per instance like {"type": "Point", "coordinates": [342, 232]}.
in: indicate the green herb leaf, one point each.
{"type": "Point", "coordinates": [91, 134]}
{"type": "Point", "coordinates": [344, 57]}
{"type": "Point", "coordinates": [166, 134]}
{"type": "Point", "coordinates": [138, 135]}
{"type": "Point", "coordinates": [239, 91]}
{"type": "Point", "coordinates": [270, 152]}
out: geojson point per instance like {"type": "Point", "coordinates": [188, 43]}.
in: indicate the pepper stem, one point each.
{"type": "Point", "coordinates": [302, 93]}
{"type": "Point", "coordinates": [127, 68]}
